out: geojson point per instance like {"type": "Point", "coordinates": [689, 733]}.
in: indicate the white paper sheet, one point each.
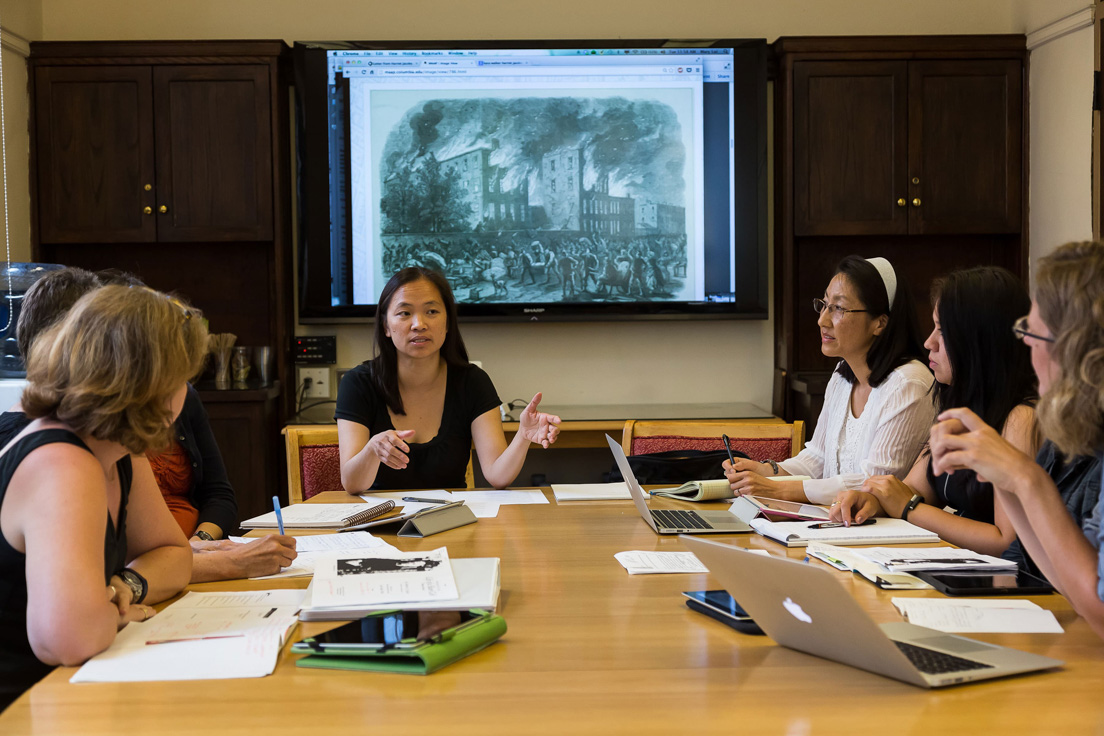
{"type": "Point", "coordinates": [503, 498]}
{"type": "Point", "coordinates": [979, 615]}
{"type": "Point", "coordinates": [383, 576]}
{"type": "Point", "coordinates": [311, 548]}
{"type": "Point", "coordinates": [896, 559]}
{"type": "Point", "coordinates": [591, 492]}
{"type": "Point", "coordinates": [244, 632]}
{"type": "Point", "coordinates": [640, 562]}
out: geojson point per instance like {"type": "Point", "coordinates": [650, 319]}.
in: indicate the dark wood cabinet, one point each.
{"type": "Point", "coordinates": [170, 153]}
{"type": "Point", "coordinates": [922, 147]}
{"type": "Point", "coordinates": [965, 146]}
{"type": "Point", "coordinates": [214, 160]}
{"type": "Point", "coordinates": [910, 148]}
{"type": "Point", "coordinates": [94, 145]}
{"type": "Point", "coordinates": [850, 147]}
{"type": "Point", "coordinates": [170, 160]}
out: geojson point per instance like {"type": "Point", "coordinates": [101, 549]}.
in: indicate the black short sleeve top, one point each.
{"type": "Point", "coordinates": [441, 462]}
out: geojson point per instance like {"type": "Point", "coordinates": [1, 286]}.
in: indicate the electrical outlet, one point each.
{"type": "Point", "coordinates": [319, 382]}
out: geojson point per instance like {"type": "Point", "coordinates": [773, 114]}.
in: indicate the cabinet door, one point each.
{"type": "Point", "coordinates": [214, 152]}
{"type": "Point", "coordinates": [94, 147]}
{"type": "Point", "coordinates": [850, 147]}
{"type": "Point", "coordinates": [965, 146]}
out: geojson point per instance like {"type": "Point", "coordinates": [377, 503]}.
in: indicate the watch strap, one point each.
{"type": "Point", "coordinates": [203, 535]}
{"type": "Point", "coordinates": [138, 585]}
{"type": "Point", "coordinates": [915, 501]}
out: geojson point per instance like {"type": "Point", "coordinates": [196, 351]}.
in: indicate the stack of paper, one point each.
{"type": "Point", "coordinates": [933, 558]}
{"type": "Point", "coordinates": [376, 577]}
{"type": "Point", "coordinates": [320, 515]}
{"type": "Point", "coordinates": [203, 636]}
{"type": "Point", "coordinates": [591, 492]}
{"type": "Point", "coordinates": [851, 559]}
{"type": "Point", "coordinates": [476, 580]}
{"type": "Point", "coordinates": [310, 548]}
{"type": "Point", "coordinates": [979, 615]}
{"type": "Point", "coordinates": [884, 531]}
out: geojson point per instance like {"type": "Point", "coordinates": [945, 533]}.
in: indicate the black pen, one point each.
{"type": "Point", "coordinates": [728, 449]}
{"type": "Point", "coordinates": [415, 499]}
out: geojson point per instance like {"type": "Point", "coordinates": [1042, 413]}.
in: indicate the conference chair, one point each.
{"type": "Point", "coordinates": [314, 463]}
{"type": "Point", "coordinates": [761, 441]}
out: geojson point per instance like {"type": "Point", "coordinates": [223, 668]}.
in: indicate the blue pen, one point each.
{"type": "Point", "coordinates": [279, 515]}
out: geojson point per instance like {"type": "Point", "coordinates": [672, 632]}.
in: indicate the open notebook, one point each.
{"type": "Point", "coordinates": [883, 531]}
{"type": "Point", "coordinates": [320, 515]}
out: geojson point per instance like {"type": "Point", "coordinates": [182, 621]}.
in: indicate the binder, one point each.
{"type": "Point", "coordinates": [422, 658]}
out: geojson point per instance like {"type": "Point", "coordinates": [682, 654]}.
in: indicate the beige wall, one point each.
{"type": "Point", "coordinates": [572, 363]}
{"type": "Point", "coordinates": [22, 22]}
{"type": "Point", "coordinates": [1061, 128]}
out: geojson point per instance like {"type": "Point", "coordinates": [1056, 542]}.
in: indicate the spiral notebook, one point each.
{"type": "Point", "coordinates": [320, 515]}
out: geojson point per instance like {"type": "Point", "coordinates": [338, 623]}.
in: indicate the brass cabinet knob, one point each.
{"type": "Point", "coordinates": [163, 209]}
{"type": "Point", "coordinates": [147, 210]}
{"type": "Point", "coordinates": [148, 187]}
{"type": "Point", "coordinates": [916, 202]}
{"type": "Point", "coordinates": [901, 202]}
{"type": "Point", "coordinates": [916, 180]}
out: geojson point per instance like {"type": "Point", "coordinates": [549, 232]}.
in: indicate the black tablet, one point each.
{"type": "Point", "coordinates": [720, 605]}
{"type": "Point", "coordinates": [1001, 583]}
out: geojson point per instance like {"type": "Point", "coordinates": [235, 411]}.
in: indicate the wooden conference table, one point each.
{"type": "Point", "coordinates": [591, 649]}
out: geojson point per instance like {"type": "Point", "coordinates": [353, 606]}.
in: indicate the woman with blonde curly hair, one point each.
{"type": "Point", "coordinates": [87, 542]}
{"type": "Point", "coordinates": [1065, 331]}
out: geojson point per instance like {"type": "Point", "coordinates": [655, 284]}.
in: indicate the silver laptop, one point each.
{"type": "Point", "coordinates": [674, 521]}
{"type": "Point", "coordinates": [803, 607]}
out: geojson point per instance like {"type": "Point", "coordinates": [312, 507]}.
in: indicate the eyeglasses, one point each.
{"type": "Point", "coordinates": [835, 311]}
{"type": "Point", "coordinates": [1019, 328]}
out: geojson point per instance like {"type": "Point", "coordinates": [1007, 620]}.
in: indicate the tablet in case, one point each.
{"type": "Point", "coordinates": [414, 658]}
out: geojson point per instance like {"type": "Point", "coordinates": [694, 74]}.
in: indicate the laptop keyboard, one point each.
{"type": "Point", "coordinates": [931, 662]}
{"type": "Point", "coordinates": [679, 519]}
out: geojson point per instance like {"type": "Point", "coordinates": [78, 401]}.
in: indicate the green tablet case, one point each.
{"type": "Point", "coordinates": [447, 647]}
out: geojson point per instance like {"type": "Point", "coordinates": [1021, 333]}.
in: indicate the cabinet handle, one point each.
{"type": "Point", "coordinates": [901, 202]}
{"type": "Point", "coordinates": [916, 202]}
{"type": "Point", "coordinates": [147, 210]}
{"type": "Point", "coordinates": [148, 187]}
{"type": "Point", "coordinates": [163, 209]}
{"type": "Point", "coordinates": [916, 180]}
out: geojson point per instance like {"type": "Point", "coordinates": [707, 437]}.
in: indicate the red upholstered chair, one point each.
{"type": "Point", "coordinates": [314, 463]}
{"type": "Point", "coordinates": [759, 440]}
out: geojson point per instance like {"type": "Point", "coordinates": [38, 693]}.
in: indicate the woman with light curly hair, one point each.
{"type": "Point", "coordinates": [87, 542]}
{"type": "Point", "coordinates": [1065, 331]}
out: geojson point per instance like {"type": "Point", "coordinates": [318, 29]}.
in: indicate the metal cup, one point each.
{"type": "Point", "coordinates": [262, 360]}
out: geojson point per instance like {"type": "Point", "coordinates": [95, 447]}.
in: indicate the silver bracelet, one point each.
{"type": "Point", "coordinates": [774, 466]}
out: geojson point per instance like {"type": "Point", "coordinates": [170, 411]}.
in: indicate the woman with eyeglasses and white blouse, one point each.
{"type": "Point", "coordinates": [877, 407]}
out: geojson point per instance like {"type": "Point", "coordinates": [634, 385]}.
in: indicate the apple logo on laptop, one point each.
{"type": "Point", "coordinates": [796, 610]}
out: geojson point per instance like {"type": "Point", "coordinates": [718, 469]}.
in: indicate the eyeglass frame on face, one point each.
{"type": "Point", "coordinates": [835, 311]}
{"type": "Point", "coordinates": [1019, 329]}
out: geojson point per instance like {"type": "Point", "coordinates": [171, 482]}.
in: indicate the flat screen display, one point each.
{"type": "Point", "coordinates": [545, 180]}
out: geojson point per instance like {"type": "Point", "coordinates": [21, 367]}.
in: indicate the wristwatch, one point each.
{"type": "Point", "coordinates": [203, 535]}
{"type": "Point", "coordinates": [137, 584]}
{"type": "Point", "coordinates": [915, 501]}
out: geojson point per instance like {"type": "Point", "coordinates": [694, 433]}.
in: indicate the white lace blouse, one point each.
{"type": "Point", "coordinates": [885, 440]}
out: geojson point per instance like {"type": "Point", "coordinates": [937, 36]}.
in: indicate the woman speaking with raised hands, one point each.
{"type": "Point", "coordinates": [877, 410]}
{"type": "Point", "coordinates": [1065, 332]}
{"type": "Point", "coordinates": [408, 417]}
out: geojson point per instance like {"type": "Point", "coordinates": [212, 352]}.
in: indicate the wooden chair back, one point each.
{"type": "Point", "coordinates": [759, 440]}
{"type": "Point", "coordinates": [314, 461]}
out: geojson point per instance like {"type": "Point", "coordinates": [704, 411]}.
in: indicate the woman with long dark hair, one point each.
{"type": "Point", "coordinates": [978, 363]}
{"type": "Point", "coordinates": [408, 417]}
{"type": "Point", "coordinates": [1065, 332]}
{"type": "Point", "coordinates": [876, 411]}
